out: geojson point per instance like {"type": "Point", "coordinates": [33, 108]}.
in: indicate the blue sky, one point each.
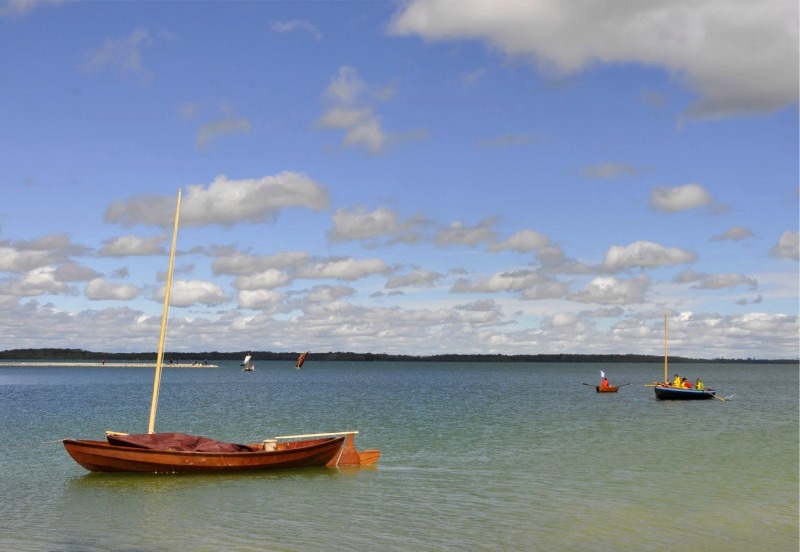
{"type": "Point", "coordinates": [401, 177]}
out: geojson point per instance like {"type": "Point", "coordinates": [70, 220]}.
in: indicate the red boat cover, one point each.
{"type": "Point", "coordinates": [177, 442]}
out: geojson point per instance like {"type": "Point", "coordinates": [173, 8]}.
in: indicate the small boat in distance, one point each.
{"type": "Point", "coordinates": [248, 367]}
{"type": "Point", "coordinates": [666, 392]}
{"type": "Point", "coordinates": [301, 359]}
{"type": "Point", "coordinates": [609, 389]}
{"type": "Point", "coordinates": [153, 452]}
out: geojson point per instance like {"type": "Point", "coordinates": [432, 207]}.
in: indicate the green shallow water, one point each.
{"type": "Point", "coordinates": [476, 457]}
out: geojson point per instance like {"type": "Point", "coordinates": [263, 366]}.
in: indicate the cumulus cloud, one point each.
{"type": "Point", "coordinates": [700, 43]}
{"type": "Point", "coordinates": [241, 264]}
{"type": "Point", "coordinates": [788, 246]}
{"type": "Point", "coordinates": [351, 109]}
{"type": "Point", "coordinates": [734, 233]}
{"type": "Point", "coordinates": [360, 224]}
{"type": "Point", "coordinates": [224, 202]}
{"type": "Point", "coordinates": [39, 281]}
{"type": "Point", "coordinates": [459, 234]}
{"type": "Point", "coordinates": [343, 269]}
{"type": "Point", "coordinates": [612, 291]}
{"type": "Point", "coordinates": [523, 241]}
{"type": "Point", "coordinates": [680, 198]}
{"type": "Point", "coordinates": [515, 280]}
{"type": "Point", "coordinates": [268, 279]}
{"type": "Point", "coordinates": [644, 254]}
{"type": "Point", "coordinates": [261, 299]}
{"type": "Point", "coordinates": [185, 293]}
{"type": "Point", "coordinates": [720, 281]}
{"type": "Point", "coordinates": [102, 290]}
{"type": "Point", "coordinates": [132, 245]}
{"type": "Point", "coordinates": [328, 294]}
{"type": "Point", "coordinates": [414, 279]}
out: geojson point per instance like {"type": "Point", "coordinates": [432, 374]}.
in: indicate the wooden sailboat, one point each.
{"type": "Point", "coordinates": [665, 391]}
{"type": "Point", "coordinates": [182, 453]}
{"type": "Point", "coordinates": [301, 359]}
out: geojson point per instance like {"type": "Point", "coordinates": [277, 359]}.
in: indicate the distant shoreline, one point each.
{"type": "Point", "coordinates": [188, 360]}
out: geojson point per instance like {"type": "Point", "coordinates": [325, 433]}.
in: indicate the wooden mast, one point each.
{"type": "Point", "coordinates": [165, 310]}
{"type": "Point", "coordinates": [666, 371]}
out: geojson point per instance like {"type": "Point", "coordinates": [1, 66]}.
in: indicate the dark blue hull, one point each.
{"type": "Point", "coordinates": [678, 394]}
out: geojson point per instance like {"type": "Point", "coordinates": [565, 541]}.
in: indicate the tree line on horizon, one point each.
{"type": "Point", "coordinates": [80, 354]}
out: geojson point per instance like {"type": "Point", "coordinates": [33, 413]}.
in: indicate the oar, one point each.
{"type": "Point", "coordinates": [719, 398]}
{"type": "Point", "coordinates": [590, 385]}
{"type": "Point", "coordinates": [623, 385]}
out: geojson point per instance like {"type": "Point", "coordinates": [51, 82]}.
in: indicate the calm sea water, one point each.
{"type": "Point", "coordinates": [475, 457]}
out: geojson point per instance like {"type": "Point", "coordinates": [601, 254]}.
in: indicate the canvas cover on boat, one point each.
{"type": "Point", "coordinates": [176, 442]}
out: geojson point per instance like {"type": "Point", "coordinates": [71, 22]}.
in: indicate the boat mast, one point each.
{"type": "Point", "coordinates": [666, 371]}
{"type": "Point", "coordinates": [165, 310]}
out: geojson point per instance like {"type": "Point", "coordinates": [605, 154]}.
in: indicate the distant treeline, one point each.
{"type": "Point", "coordinates": [79, 354]}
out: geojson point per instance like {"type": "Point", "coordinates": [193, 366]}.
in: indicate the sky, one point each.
{"type": "Point", "coordinates": [421, 177]}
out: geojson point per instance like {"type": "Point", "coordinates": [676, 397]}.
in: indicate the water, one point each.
{"type": "Point", "coordinates": [475, 457]}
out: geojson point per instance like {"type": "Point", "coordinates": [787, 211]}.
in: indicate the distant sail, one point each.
{"type": "Point", "coordinates": [246, 360]}
{"type": "Point", "coordinates": [301, 359]}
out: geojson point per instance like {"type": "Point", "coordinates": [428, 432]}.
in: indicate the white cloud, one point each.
{"type": "Point", "coordinates": [301, 24]}
{"type": "Point", "coordinates": [523, 241]}
{"type": "Point", "coordinates": [612, 291]}
{"type": "Point", "coordinates": [261, 299]}
{"type": "Point", "coordinates": [720, 281]}
{"type": "Point", "coordinates": [102, 290]}
{"type": "Point", "coordinates": [359, 224]}
{"type": "Point", "coordinates": [644, 254]}
{"type": "Point", "coordinates": [123, 55]}
{"type": "Point", "coordinates": [459, 234]}
{"type": "Point", "coordinates": [740, 57]}
{"type": "Point", "coordinates": [680, 198]}
{"type": "Point", "coordinates": [268, 279]}
{"type": "Point", "coordinates": [343, 269]}
{"type": "Point", "coordinates": [734, 233]}
{"type": "Point", "coordinates": [328, 294]}
{"type": "Point", "coordinates": [132, 245]}
{"type": "Point", "coordinates": [788, 246]}
{"type": "Point", "coordinates": [225, 202]}
{"type": "Point", "coordinates": [516, 280]}
{"type": "Point", "coordinates": [211, 131]}
{"type": "Point", "coordinates": [414, 279]}
{"type": "Point", "coordinates": [185, 293]}
{"type": "Point", "coordinates": [351, 109]}
{"type": "Point", "coordinates": [39, 281]}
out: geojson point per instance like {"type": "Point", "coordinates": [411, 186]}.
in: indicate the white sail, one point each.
{"type": "Point", "coordinates": [246, 361]}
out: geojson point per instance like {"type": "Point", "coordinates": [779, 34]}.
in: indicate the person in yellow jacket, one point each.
{"type": "Point", "coordinates": [699, 385]}
{"type": "Point", "coordinates": [676, 381]}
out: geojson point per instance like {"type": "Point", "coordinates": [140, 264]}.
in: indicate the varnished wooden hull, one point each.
{"type": "Point", "coordinates": [100, 456]}
{"type": "Point", "coordinates": [609, 389]}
